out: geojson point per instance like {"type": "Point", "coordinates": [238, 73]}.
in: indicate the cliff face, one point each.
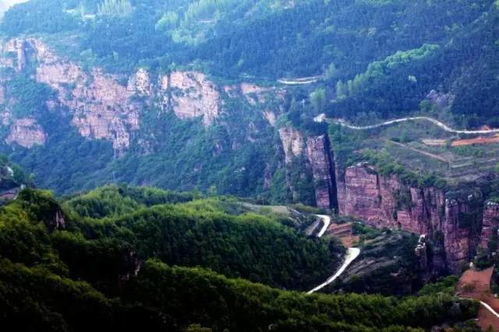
{"type": "Point", "coordinates": [322, 171]}
{"type": "Point", "coordinates": [105, 106]}
{"type": "Point", "coordinates": [457, 226]}
{"type": "Point", "coordinates": [316, 153]}
{"type": "Point", "coordinates": [26, 132]}
{"type": "Point", "coordinates": [490, 222]}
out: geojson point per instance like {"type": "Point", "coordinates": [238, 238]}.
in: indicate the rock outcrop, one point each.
{"type": "Point", "coordinates": [193, 95]}
{"type": "Point", "coordinates": [490, 223]}
{"type": "Point", "coordinates": [19, 48]}
{"type": "Point", "coordinates": [293, 143]}
{"type": "Point", "coordinates": [317, 154]}
{"type": "Point", "coordinates": [105, 106]}
{"type": "Point", "coordinates": [322, 171]}
{"type": "Point", "coordinates": [26, 132]}
{"type": "Point", "coordinates": [100, 106]}
{"type": "Point", "coordinates": [457, 224]}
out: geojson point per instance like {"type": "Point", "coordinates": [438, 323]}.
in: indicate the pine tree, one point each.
{"type": "Point", "coordinates": [341, 91]}
{"type": "Point", "coordinates": [115, 8]}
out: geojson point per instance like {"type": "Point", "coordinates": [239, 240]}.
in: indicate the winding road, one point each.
{"type": "Point", "coordinates": [352, 253]}
{"type": "Point", "coordinates": [489, 308]}
{"type": "Point", "coordinates": [299, 81]}
{"type": "Point", "coordinates": [326, 222]}
{"type": "Point", "coordinates": [442, 125]}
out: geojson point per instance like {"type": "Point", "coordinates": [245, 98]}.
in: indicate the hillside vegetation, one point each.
{"type": "Point", "coordinates": [61, 271]}
{"type": "Point", "coordinates": [370, 60]}
{"type": "Point", "coordinates": [375, 56]}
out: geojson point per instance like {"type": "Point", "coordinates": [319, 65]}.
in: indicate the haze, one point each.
{"type": "Point", "coordinates": [6, 4]}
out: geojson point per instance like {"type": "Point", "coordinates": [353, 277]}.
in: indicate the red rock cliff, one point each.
{"type": "Point", "coordinates": [317, 154]}
{"type": "Point", "coordinates": [384, 201]}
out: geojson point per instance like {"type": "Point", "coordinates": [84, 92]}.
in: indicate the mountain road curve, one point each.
{"type": "Point", "coordinates": [442, 125]}
{"type": "Point", "coordinates": [352, 254]}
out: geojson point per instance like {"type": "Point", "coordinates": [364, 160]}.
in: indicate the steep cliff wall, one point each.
{"type": "Point", "coordinates": [456, 223]}
{"type": "Point", "coordinates": [317, 158]}
{"type": "Point", "coordinates": [490, 222]}
{"type": "Point", "coordinates": [323, 171]}
{"type": "Point", "coordinates": [190, 131]}
{"type": "Point", "coordinates": [105, 106]}
{"type": "Point", "coordinates": [26, 132]}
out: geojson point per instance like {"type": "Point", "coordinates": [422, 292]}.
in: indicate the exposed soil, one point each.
{"type": "Point", "coordinates": [476, 284]}
{"type": "Point", "coordinates": [476, 141]}
{"type": "Point", "coordinates": [344, 233]}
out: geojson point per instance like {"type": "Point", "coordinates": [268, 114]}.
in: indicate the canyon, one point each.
{"type": "Point", "coordinates": [110, 107]}
{"type": "Point", "coordinates": [455, 224]}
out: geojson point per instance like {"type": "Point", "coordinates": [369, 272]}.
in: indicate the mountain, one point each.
{"type": "Point", "coordinates": [99, 260]}
{"type": "Point", "coordinates": [6, 4]}
{"type": "Point", "coordinates": [380, 113]}
{"type": "Point", "coordinates": [186, 95]}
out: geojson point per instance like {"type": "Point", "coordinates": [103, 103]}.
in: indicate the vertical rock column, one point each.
{"type": "Point", "coordinates": [319, 157]}
{"type": "Point", "coordinates": [490, 222]}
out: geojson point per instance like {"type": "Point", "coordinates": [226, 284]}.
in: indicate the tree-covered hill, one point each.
{"type": "Point", "coordinates": [267, 40]}
{"type": "Point", "coordinates": [368, 59]}
{"type": "Point", "coordinates": [61, 270]}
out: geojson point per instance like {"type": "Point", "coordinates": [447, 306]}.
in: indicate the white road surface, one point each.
{"type": "Point", "coordinates": [415, 118]}
{"type": "Point", "coordinates": [299, 81]}
{"type": "Point", "coordinates": [489, 308]}
{"type": "Point", "coordinates": [326, 221]}
{"type": "Point", "coordinates": [352, 253]}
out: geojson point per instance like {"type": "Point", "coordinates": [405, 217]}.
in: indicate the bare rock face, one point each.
{"type": "Point", "coordinates": [59, 222]}
{"type": "Point", "coordinates": [26, 132]}
{"type": "Point", "coordinates": [100, 105]}
{"type": "Point", "coordinates": [193, 95]}
{"type": "Point", "coordinates": [104, 107]}
{"type": "Point", "coordinates": [384, 201]}
{"type": "Point", "coordinates": [439, 99]}
{"type": "Point", "coordinates": [17, 47]}
{"type": "Point", "coordinates": [490, 222]}
{"type": "Point", "coordinates": [140, 83]}
{"type": "Point", "coordinates": [253, 93]}
{"type": "Point", "coordinates": [316, 150]}
{"type": "Point", "coordinates": [270, 117]}
{"type": "Point", "coordinates": [319, 158]}
{"type": "Point", "coordinates": [109, 114]}
{"type": "Point", "coordinates": [293, 143]}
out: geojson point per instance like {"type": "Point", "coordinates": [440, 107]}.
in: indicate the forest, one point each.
{"type": "Point", "coordinates": [111, 259]}
{"type": "Point", "coordinates": [372, 60]}
{"type": "Point", "coordinates": [174, 159]}
{"type": "Point", "coordinates": [342, 41]}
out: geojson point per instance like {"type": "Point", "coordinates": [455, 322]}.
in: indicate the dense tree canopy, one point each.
{"type": "Point", "coordinates": [81, 273]}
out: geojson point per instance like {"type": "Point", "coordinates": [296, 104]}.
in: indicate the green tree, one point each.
{"type": "Point", "coordinates": [318, 99]}
{"type": "Point", "coordinates": [331, 71]}
{"type": "Point", "coordinates": [168, 21]}
{"type": "Point", "coordinates": [341, 90]}
{"type": "Point", "coordinates": [115, 8]}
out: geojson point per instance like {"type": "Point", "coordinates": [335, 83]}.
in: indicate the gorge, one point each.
{"type": "Point", "coordinates": [105, 107]}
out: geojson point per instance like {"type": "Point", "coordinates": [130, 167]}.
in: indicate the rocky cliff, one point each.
{"type": "Point", "coordinates": [178, 129]}
{"type": "Point", "coordinates": [490, 223]}
{"type": "Point", "coordinates": [106, 106]}
{"type": "Point", "coordinates": [456, 224]}
{"type": "Point", "coordinates": [316, 155]}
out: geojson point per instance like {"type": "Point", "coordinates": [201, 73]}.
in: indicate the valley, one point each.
{"type": "Point", "coordinates": [223, 165]}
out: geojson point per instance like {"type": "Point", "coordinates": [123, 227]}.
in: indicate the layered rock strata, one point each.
{"type": "Point", "coordinates": [459, 224]}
